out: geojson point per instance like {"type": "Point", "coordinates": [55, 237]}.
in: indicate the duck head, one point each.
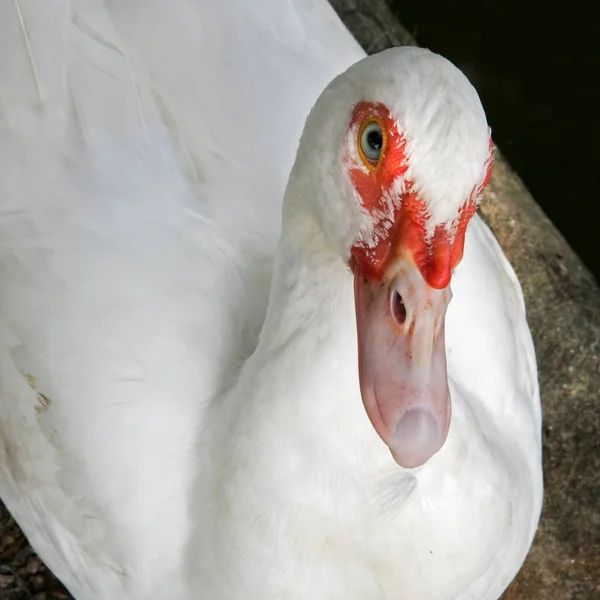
{"type": "Point", "coordinates": [395, 155]}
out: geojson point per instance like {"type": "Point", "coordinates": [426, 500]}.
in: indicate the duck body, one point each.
{"type": "Point", "coordinates": [161, 435]}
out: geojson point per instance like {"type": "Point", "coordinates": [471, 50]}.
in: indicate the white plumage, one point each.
{"type": "Point", "coordinates": [148, 447]}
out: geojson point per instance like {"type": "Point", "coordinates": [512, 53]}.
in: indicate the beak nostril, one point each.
{"type": "Point", "coordinates": [397, 307]}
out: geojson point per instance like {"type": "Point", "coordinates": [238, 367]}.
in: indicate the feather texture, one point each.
{"type": "Point", "coordinates": [144, 152]}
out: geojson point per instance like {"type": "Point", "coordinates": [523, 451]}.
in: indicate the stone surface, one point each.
{"type": "Point", "coordinates": [563, 306]}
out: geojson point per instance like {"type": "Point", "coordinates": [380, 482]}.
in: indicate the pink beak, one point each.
{"type": "Point", "coordinates": [402, 360]}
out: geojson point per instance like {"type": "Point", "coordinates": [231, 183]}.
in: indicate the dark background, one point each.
{"type": "Point", "coordinates": [537, 70]}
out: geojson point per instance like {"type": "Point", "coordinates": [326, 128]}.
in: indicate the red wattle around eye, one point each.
{"type": "Point", "coordinates": [399, 215]}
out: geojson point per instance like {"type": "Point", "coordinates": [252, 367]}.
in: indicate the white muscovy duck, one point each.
{"type": "Point", "coordinates": [174, 425]}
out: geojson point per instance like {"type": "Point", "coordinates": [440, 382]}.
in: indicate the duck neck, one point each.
{"type": "Point", "coordinates": [312, 289]}
{"type": "Point", "coordinates": [303, 377]}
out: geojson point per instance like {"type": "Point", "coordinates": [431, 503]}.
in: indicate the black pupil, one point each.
{"type": "Point", "coordinates": [375, 139]}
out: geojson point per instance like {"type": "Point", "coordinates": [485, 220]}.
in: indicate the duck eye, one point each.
{"type": "Point", "coordinates": [371, 141]}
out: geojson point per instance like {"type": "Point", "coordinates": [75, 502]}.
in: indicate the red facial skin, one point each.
{"type": "Point", "coordinates": [437, 257]}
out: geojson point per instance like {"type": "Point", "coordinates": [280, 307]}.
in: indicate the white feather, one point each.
{"type": "Point", "coordinates": [144, 153]}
